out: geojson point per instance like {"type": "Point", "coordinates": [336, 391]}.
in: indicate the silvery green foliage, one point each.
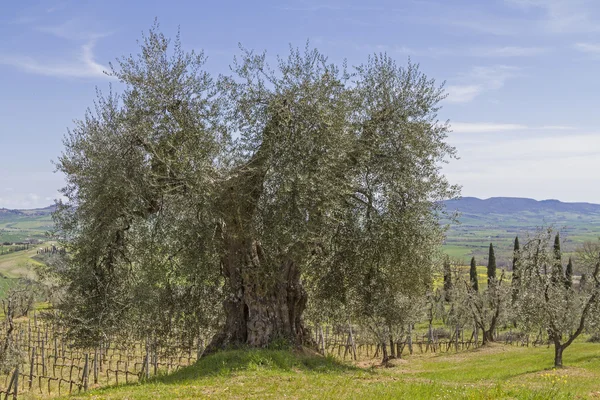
{"type": "Point", "coordinates": [458, 311]}
{"type": "Point", "coordinates": [486, 309]}
{"type": "Point", "coordinates": [546, 304]}
{"type": "Point", "coordinates": [140, 168]}
{"type": "Point", "coordinates": [334, 174]}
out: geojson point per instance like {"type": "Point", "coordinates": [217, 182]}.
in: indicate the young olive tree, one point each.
{"type": "Point", "coordinates": [489, 308]}
{"type": "Point", "coordinates": [459, 313]}
{"type": "Point", "coordinates": [546, 303]}
{"type": "Point", "coordinates": [251, 190]}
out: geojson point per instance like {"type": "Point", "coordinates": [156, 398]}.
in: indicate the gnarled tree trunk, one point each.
{"type": "Point", "coordinates": [265, 301]}
{"type": "Point", "coordinates": [264, 304]}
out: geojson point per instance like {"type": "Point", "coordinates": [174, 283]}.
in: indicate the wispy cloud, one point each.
{"type": "Point", "coordinates": [562, 16]}
{"type": "Point", "coordinates": [487, 127]}
{"type": "Point", "coordinates": [81, 64]}
{"type": "Point", "coordinates": [591, 48]}
{"type": "Point", "coordinates": [74, 29]}
{"type": "Point", "coordinates": [329, 7]}
{"type": "Point", "coordinates": [480, 80]}
{"type": "Point", "coordinates": [476, 52]}
{"type": "Point", "coordinates": [463, 93]}
{"type": "Point", "coordinates": [84, 65]}
{"type": "Point", "coordinates": [508, 51]}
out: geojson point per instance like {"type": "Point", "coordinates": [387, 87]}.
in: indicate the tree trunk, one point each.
{"type": "Point", "coordinates": [386, 358]}
{"type": "Point", "coordinates": [265, 299]}
{"type": "Point", "coordinates": [261, 308]}
{"type": "Point", "coordinates": [488, 336]}
{"type": "Point", "coordinates": [558, 353]}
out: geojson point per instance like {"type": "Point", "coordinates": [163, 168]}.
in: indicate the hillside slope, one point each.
{"type": "Point", "coordinates": [23, 225]}
{"type": "Point", "coordinates": [493, 372]}
{"type": "Point", "coordinates": [500, 219]}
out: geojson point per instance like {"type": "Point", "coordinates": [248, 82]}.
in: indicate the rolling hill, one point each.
{"type": "Point", "coordinates": [23, 225]}
{"type": "Point", "coordinates": [500, 219]}
{"type": "Point", "coordinates": [481, 221]}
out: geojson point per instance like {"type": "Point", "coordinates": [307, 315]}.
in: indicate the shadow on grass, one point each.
{"type": "Point", "coordinates": [228, 362]}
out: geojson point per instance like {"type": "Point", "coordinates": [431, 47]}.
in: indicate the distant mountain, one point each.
{"type": "Point", "coordinates": [509, 205]}
{"type": "Point", "coordinates": [5, 212]}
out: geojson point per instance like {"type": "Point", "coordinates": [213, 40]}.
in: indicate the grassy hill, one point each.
{"type": "Point", "coordinates": [500, 219]}
{"type": "Point", "coordinates": [495, 372]}
{"type": "Point", "coordinates": [15, 265]}
{"type": "Point", "coordinates": [20, 226]}
{"type": "Point", "coordinates": [23, 225]}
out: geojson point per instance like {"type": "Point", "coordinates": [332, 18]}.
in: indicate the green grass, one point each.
{"type": "Point", "coordinates": [19, 263]}
{"type": "Point", "coordinates": [6, 284]}
{"type": "Point", "coordinates": [495, 372]}
{"type": "Point", "coordinates": [15, 265]}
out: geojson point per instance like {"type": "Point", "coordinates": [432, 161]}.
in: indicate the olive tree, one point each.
{"type": "Point", "coordinates": [251, 190]}
{"type": "Point", "coordinates": [489, 307]}
{"type": "Point", "coordinates": [546, 303]}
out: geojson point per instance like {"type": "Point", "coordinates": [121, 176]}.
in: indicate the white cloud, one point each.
{"type": "Point", "coordinates": [478, 127]}
{"type": "Point", "coordinates": [537, 164]}
{"type": "Point", "coordinates": [83, 65]}
{"type": "Point", "coordinates": [486, 127]}
{"type": "Point", "coordinates": [592, 48]}
{"type": "Point", "coordinates": [478, 81]}
{"type": "Point", "coordinates": [463, 94]}
{"type": "Point", "coordinates": [21, 200]}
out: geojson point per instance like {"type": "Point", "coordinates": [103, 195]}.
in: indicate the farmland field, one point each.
{"type": "Point", "coordinates": [22, 225]}
{"type": "Point", "coordinates": [499, 220]}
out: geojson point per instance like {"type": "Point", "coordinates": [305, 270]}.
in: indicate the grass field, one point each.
{"type": "Point", "coordinates": [495, 372]}
{"type": "Point", "coordinates": [15, 265]}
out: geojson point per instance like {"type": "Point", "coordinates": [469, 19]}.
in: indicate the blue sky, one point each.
{"type": "Point", "coordinates": [522, 76]}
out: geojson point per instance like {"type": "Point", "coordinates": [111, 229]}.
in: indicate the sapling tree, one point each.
{"type": "Point", "coordinates": [459, 313]}
{"type": "Point", "coordinates": [546, 303]}
{"type": "Point", "coordinates": [489, 308]}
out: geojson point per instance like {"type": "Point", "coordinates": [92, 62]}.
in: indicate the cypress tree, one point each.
{"type": "Point", "coordinates": [515, 269]}
{"type": "Point", "coordinates": [557, 271]}
{"type": "Point", "coordinates": [491, 269]}
{"type": "Point", "coordinates": [569, 274]}
{"type": "Point", "coordinates": [516, 251]}
{"type": "Point", "coordinates": [447, 279]}
{"type": "Point", "coordinates": [473, 275]}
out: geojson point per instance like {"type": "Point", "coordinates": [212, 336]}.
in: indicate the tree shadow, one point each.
{"type": "Point", "coordinates": [229, 362]}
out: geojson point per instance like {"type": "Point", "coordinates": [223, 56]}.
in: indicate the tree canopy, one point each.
{"type": "Point", "coordinates": [234, 203]}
